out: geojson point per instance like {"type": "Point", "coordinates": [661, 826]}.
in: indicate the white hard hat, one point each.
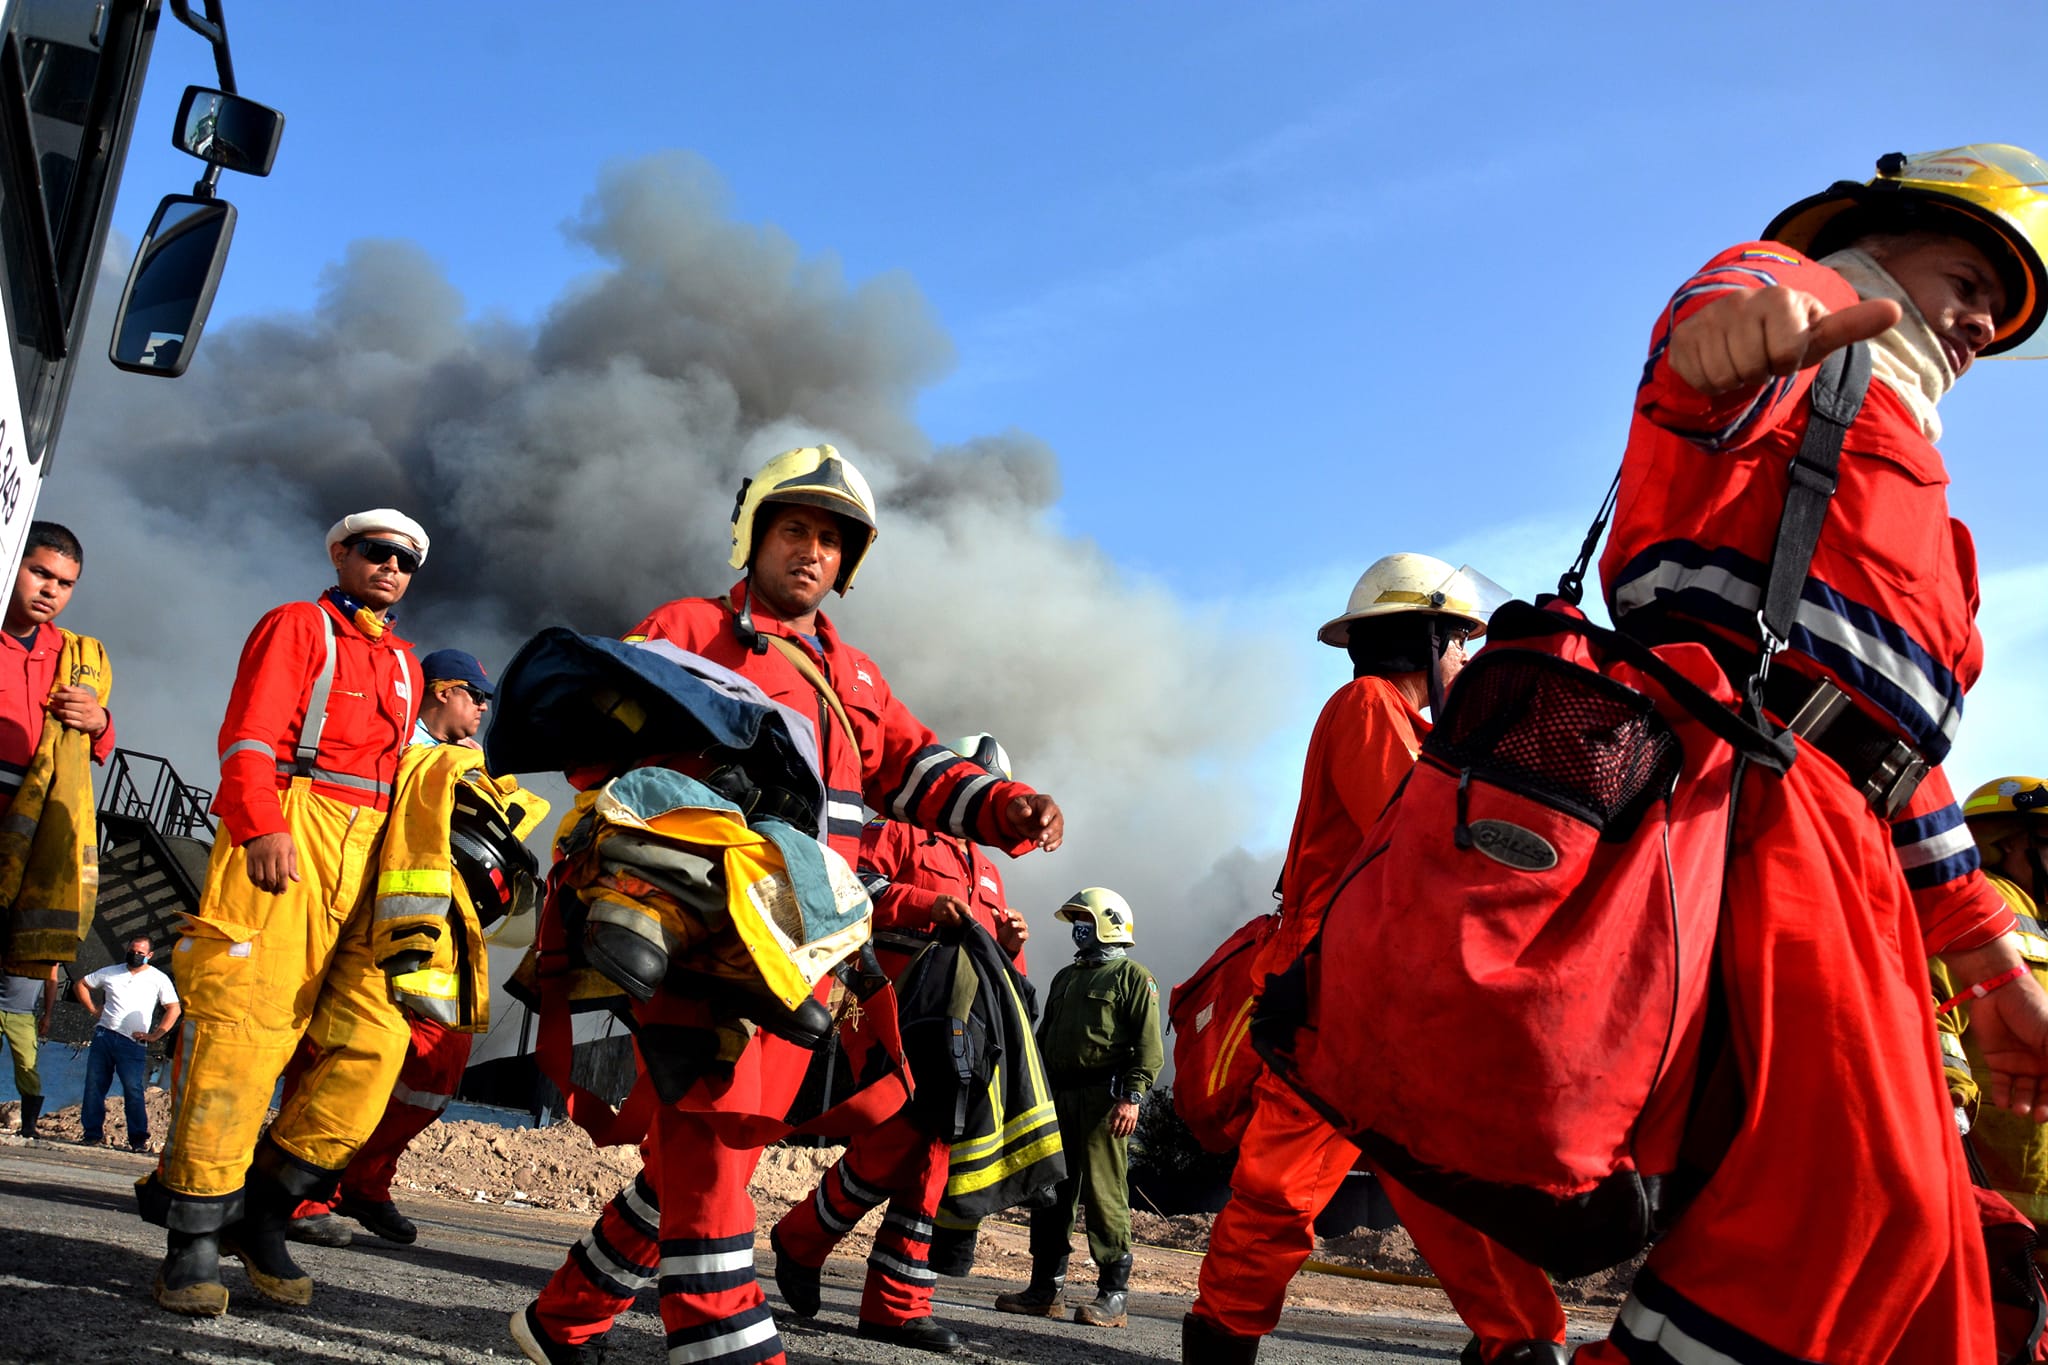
{"type": "Point", "coordinates": [1110, 913]}
{"type": "Point", "coordinates": [388, 520]}
{"type": "Point", "coordinates": [814, 476]}
{"type": "Point", "coordinates": [1417, 583]}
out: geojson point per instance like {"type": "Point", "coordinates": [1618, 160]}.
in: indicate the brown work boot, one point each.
{"type": "Point", "coordinates": [1040, 1298]}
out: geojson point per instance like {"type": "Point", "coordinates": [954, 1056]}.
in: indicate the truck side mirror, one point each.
{"type": "Point", "coordinates": [227, 131]}
{"type": "Point", "coordinates": [171, 286]}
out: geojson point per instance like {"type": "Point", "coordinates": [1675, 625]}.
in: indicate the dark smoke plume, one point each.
{"type": "Point", "coordinates": [581, 471]}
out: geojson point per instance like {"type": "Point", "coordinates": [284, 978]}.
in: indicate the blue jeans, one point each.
{"type": "Point", "coordinates": [109, 1056]}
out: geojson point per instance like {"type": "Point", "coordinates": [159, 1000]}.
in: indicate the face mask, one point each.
{"type": "Point", "coordinates": [136, 959]}
{"type": "Point", "coordinates": [1084, 934]}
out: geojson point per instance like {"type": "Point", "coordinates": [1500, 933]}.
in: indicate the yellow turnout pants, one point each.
{"type": "Point", "coordinates": [257, 972]}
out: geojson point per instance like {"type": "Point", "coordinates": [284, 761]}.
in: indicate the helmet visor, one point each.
{"type": "Point", "coordinates": [1471, 594]}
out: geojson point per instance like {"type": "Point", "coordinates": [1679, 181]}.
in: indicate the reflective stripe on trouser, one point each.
{"type": "Point", "coordinates": [257, 972]}
{"type": "Point", "coordinates": [1290, 1163]}
{"type": "Point", "coordinates": [1097, 1176]}
{"type": "Point", "coordinates": [432, 1072]}
{"type": "Point", "coordinates": [894, 1161]}
{"type": "Point", "coordinates": [1840, 1226]}
{"type": "Point", "coordinates": [711, 1303]}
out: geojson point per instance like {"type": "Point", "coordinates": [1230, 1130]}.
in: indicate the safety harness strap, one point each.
{"type": "Point", "coordinates": [315, 723]}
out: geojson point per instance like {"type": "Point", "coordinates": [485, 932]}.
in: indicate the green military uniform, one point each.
{"type": "Point", "coordinates": [2013, 1149]}
{"type": "Point", "coordinates": [1100, 1041]}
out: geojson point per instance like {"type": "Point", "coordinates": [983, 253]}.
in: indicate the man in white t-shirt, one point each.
{"type": "Point", "coordinates": [130, 993]}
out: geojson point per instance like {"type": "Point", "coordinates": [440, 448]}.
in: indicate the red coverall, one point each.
{"type": "Point", "coordinates": [697, 1231]}
{"type": "Point", "coordinates": [1840, 1226]}
{"type": "Point", "coordinates": [260, 972]}
{"type": "Point", "coordinates": [1290, 1162]}
{"type": "Point", "coordinates": [434, 1062]}
{"type": "Point", "coordinates": [905, 870]}
{"type": "Point", "coordinates": [27, 677]}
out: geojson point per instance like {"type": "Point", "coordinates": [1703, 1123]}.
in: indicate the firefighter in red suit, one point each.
{"type": "Point", "coordinates": [1853, 866]}
{"type": "Point", "coordinates": [1405, 628]}
{"type": "Point", "coordinates": [50, 562]}
{"type": "Point", "coordinates": [800, 529]}
{"type": "Point", "coordinates": [918, 879]}
{"type": "Point", "coordinates": [280, 948]}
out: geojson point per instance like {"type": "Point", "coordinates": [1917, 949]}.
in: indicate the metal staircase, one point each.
{"type": "Point", "coordinates": [155, 837]}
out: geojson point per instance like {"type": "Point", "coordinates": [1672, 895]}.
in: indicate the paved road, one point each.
{"type": "Point", "coordinates": [76, 1264]}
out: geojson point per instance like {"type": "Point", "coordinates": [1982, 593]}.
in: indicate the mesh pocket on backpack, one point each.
{"type": "Point", "coordinates": [1559, 733]}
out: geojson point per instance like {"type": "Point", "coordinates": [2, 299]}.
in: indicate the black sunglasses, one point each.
{"type": "Point", "coordinates": [480, 698]}
{"type": "Point", "coordinates": [379, 551]}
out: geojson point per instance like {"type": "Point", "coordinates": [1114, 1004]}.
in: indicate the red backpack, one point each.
{"type": "Point", "coordinates": [1512, 1004]}
{"type": "Point", "coordinates": [1210, 1014]}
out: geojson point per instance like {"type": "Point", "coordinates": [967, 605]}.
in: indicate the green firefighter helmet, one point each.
{"type": "Point", "coordinates": [813, 476]}
{"type": "Point", "coordinates": [1110, 912]}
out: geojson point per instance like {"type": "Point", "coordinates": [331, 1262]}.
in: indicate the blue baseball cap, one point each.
{"type": "Point", "coordinates": [452, 665]}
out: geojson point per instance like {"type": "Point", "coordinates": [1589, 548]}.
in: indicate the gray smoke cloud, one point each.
{"type": "Point", "coordinates": [581, 471]}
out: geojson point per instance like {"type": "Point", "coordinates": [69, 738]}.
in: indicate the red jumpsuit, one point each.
{"type": "Point", "coordinates": [1290, 1162]}
{"type": "Point", "coordinates": [696, 1232]}
{"type": "Point", "coordinates": [28, 674]}
{"type": "Point", "coordinates": [905, 870]}
{"type": "Point", "coordinates": [1840, 1226]}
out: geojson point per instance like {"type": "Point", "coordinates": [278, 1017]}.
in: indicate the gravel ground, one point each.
{"type": "Point", "coordinates": [76, 1263]}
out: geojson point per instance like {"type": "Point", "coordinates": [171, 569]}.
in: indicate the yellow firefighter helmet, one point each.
{"type": "Point", "coordinates": [815, 476]}
{"type": "Point", "coordinates": [1987, 193]}
{"type": "Point", "coordinates": [1421, 584]}
{"type": "Point", "coordinates": [2003, 807]}
{"type": "Point", "coordinates": [1110, 912]}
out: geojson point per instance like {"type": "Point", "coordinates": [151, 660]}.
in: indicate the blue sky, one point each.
{"type": "Point", "coordinates": [1285, 286]}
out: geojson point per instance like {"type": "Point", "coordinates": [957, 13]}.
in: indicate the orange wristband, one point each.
{"type": "Point", "coordinates": [1983, 988]}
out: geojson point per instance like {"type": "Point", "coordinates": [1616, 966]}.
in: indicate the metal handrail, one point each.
{"type": "Point", "coordinates": [145, 787]}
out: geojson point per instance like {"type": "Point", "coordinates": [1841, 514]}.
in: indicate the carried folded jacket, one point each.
{"type": "Point", "coordinates": [49, 838]}
{"type": "Point", "coordinates": [423, 920]}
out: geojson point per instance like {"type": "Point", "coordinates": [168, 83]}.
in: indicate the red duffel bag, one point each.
{"type": "Point", "coordinates": [1210, 1014]}
{"type": "Point", "coordinates": [1506, 1002]}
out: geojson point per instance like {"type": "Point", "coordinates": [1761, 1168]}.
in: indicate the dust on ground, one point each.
{"type": "Point", "coordinates": [558, 1167]}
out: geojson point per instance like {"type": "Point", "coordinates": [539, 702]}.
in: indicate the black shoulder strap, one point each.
{"type": "Point", "coordinates": [1839, 385]}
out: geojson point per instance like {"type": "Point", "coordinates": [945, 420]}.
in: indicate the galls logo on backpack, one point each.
{"type": "Point", "coordinates": [1513, 846]}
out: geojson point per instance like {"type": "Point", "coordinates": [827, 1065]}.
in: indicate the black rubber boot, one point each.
{"type": "Point", "coordinates": [383, 1219]}
{"type": "Point", "coordinates": [276, 1183]}
{"type": "Point", "coordinates": [1040, 1298]}
{"type": "Point", "coordinates": [634, 963]}
{"type": "Point", "coordinates": [919, 1334]}
{"type": "Point", "coordinates": [1112, 1290]}
{"type": "Point", "coordinates": [953, 1251]}
{"type": "Point", "coordinates": [799, 1284]}
{"type": "Point", "coordinates": [1202, 1344]}
{"type": "Point", "coordinates": [188, 1281]}
{"type": "Point", "coordinates": [1521, 1353]}
{"type": "Point", "coordinates": [31, 1114]}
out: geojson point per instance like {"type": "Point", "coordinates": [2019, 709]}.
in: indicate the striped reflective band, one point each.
{"type": "Point", "coordinates": [327, 775]}
{"type": "Point", "coordinates": [248, 746]}
{"type": "Point", "coordinates": [965, 806]}
{"type": "Point", "coordinates": [1936, 848]}
{"type": "Point", "coordinates": [1952, 1046]}
{"type": "Point", "coordinates": [1873, 656]}
{"type": "Point", "coordinates": [419, 1099]}
{"type": "Point", "coordinates": [845, 816]}
{"type": "Point", "coordinates": [926, 766]}
{"type": "Point", "coordinates": [1661, 1326]}
{"type": "Point", "coordinates": [420, 881]}
{"type": "Point", "coordinates": [747, 1337]}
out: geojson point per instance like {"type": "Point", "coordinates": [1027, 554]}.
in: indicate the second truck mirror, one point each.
{"type": "Point", "coordinates": [227, 130]}
{"type": "Point", "coordinates": [171, 287]}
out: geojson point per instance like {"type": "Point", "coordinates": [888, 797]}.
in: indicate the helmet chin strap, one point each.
{"type": "Point", "coordinates": [1438, 642]}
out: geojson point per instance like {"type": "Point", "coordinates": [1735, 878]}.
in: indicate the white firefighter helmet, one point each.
{"type": "Point", "coordinates": [984, 750]}
{"type": "Point", "coordinates": [1110, 912]}
{"type": "Point", "coordinates": [815, 476]}
{"type": "Point", "coordinates": [1417, 583]}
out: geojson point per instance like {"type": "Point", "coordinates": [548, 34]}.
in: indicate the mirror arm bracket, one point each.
{"type": "Point", "coordinates": [214, 28]}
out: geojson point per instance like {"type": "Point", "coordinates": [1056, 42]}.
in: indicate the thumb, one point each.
{"type": "Point", "coordinates": [1845, 327]}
